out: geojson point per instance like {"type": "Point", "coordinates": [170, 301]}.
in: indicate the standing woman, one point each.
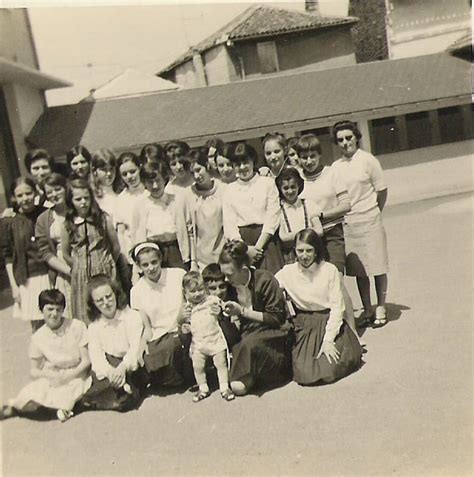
{"type": "Point", "coordinates": [48, 235]}
{"type": "Point", "coordinates": [89, 242]}
{"type": "Point", "coordinates": [274, 146]}
{"type": "Point", "coordinates": [325, 348]}
{"type": "Point", "coordinates": [134, 193]}
{"type": "Point", "coordinates": [251, 210]}
{"type": "Point", "coordinates": [262, 357]}
{"type": "Point", "coordinates": [224, 166]}
{"type": "Point", "coordinates": [104, 180]}
{"type": "Point", "coordinates": [78, 162]}
{"type": "Point", "coordinates": [27, 272]}
{"type": "Point", "coordinates": [366, 242]}
{"type": "Point", "coordinates": [203, 211]}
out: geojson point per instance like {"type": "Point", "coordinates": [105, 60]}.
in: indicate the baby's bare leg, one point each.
{"type": "Point", "coordinates": [199, 366]}
{"type": "Point", "coordinates": [220, 362]}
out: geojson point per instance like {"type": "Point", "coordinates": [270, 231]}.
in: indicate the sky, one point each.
{"type": "Point", "coordinates": [90, 45]}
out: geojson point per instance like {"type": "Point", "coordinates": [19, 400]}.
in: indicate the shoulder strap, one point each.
{"type": "Point", "coordinates": [305, 211]}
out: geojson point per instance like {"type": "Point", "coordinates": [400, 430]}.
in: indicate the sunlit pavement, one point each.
{"type": "Point", "coordinates": [408, 411]}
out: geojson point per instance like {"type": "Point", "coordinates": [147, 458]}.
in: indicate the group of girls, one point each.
{"type": "Point", "coordinates": [178, 254]}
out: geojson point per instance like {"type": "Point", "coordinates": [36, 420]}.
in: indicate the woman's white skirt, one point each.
{"type": "Point", "coordinates": [28, 308]}
{"type": "Point", "coordinates": [366, 248]}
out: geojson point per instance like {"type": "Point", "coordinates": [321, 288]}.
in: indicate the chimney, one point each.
{"type": "Point", "coordinates": [311, 6]}
{"type": "Point", "coordinates": [199, 69]}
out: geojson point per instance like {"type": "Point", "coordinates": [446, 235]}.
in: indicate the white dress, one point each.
{"type": "Point", "coordinates": [58, 351]}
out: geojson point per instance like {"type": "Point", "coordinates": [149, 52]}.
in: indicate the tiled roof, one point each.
{"type": "Point", "coordinates": [260, 21]}
{"type": "Point", "coordinates": [296, 101]}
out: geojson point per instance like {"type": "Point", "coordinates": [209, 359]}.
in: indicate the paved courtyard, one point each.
{"type": "Point", "coordinates": [407, 412]}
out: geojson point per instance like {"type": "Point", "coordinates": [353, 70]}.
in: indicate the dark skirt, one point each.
{"type": "Point", "coordinates": [310, 328]}
{"type": "Point", "coordinates": [333, 239]}
{"type": "Point", "coordinates": [263, 354]}
{"type": "Point", "coordinates": [102, 396]}
{"type": "Point", "coordinates": [272, 256]}
{"type": "Point", "coordinates": [165, 360]}
{"type": "Point", "coordinates": [288, 250]}
{"type": "Point", "coordinates": [171, 254]}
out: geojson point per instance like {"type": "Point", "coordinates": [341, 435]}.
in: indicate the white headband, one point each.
{"type": "Point", "coordinates": [142, 246]}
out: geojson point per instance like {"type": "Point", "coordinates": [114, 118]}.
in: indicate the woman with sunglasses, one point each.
{"type": "Point", "coordinates": [364, 233]}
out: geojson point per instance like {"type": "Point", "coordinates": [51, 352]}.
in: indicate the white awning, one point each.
{"type": "Point", "coordinates": [11, 72]}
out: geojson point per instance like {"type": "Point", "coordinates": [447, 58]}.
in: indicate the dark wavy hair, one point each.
{"type": "Point", "coordinates": [101, 159]}
{"type": "Point", "coordinates": [287, 174]}
{"type": "Point", "coordinates": [98, 217]}
{"type": "Point", "coordinates": [310, 237]}
{"type": "Point", "coordinates": [96, 282]}
{"type": "Point", "coordinates": [235, 251]}
{"type": "Point", "coordinates": [151, 170]}
{"type": "Point", "coordinates": [346, 124]}
{"type": "Point", "coordinates": [77, 151]}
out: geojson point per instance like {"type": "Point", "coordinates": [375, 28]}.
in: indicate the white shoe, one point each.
{"type": "Point", "coordinates": [64, 415]}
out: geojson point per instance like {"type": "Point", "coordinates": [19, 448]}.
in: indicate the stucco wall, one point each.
{"type": "Point", "coordinates": [217, 65]}
{"type": "Point", "coordinates": [185, 75]}
{"type": "Point", "coordinates": [15, 39]}
{"type": "Point", "coordinates": [328, 46]}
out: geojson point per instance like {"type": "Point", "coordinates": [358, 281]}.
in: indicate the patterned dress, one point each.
{"type": "Point", "coordinates": [91, 255]}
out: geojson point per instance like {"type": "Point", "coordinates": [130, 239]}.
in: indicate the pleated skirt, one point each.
{"type": "Point", "coordinates": [310, 328]}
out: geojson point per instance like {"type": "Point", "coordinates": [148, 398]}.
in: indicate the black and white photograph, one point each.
{"type": "Point", "coordinates": [236, 238]}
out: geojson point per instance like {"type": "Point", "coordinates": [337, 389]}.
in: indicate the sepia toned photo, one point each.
{"type": "Point", "coordinates": [236, 238]}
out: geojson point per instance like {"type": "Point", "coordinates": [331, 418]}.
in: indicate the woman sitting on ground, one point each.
{"type": "Point", "coordinates": [262, 356]}
{"type": "Point", "coordinates": [325, 347]}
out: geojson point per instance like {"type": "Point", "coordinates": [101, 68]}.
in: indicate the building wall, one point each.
{"type": "Point", "coordinates": [185, 75]}
{"type": "Point", "coordinates": [15, 37]}
{"type": "Point", "coordinates": [216, 63]}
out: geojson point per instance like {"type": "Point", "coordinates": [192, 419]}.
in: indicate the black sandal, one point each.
{"type": "Point", "coordinates": [228, 395]}
{"type": "Point", "coordinates": [201, 395]}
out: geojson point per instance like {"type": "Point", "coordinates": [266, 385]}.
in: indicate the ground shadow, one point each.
{"type": "Point", "coordinates": [6, 298]}
{"type": "Point", "coordinates": [394, 313]}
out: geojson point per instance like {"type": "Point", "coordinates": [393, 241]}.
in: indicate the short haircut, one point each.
{"type": "Point", "coordinates": [243, 152]}
{"type": "Point", "coordinates": [151, 170]}
{"type": "Point", "coordinates": [287, 174]}
{"type": "Point", "coordinates": [308, 143]}
{"type": "Point", "coordinates": [342, 125]}
{"type": "Point", "coordinates": [152, 152]}
{"type": "Point", "coordinates": [212, 273]}
{"type": "Point", "coordinates": [191, 279]}
{"type": "Point", "coordinates": [103, 158]}
{"type": "Point", "coordinates": [214, 142]}
{"type": "Point", "coordinates": [310, 237]}
{"type": "Point", "coordinates": [176, 148]}
{"type": "Point", "coordinates": [77, 151]}
{"type": "Point", "coordinates": [96, 282]}
{"type": "Point", "coordinates": [51, 297]}
{"type": "Point", "coordinates": [22, 180]}
{"type": "Point", "coordinates": [235, 251]}
{"type": "Point", "coordinates": [54, 180]}
{"type": "Point", "coordinates": [36, 155]}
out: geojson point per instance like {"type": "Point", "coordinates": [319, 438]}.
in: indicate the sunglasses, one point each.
{"type": "Point", "coordinates": [347, 138]}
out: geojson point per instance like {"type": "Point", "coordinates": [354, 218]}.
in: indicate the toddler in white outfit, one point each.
{"type": "Point", "coordinates": [201, 312]}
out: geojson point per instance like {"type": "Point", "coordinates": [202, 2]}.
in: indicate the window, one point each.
{"type": "Point", "coordinates": [385, 135]}
{"type": "Point", "coordinates": [451, 124]}
{"type": "Point", "coordinates": [267, 56]}
{"type": "Point", "coordinates": [418, 130]}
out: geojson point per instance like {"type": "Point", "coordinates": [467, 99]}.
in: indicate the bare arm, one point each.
{"type": "Point", "coordinates": [113, 238]}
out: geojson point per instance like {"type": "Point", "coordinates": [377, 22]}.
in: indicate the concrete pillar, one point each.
{"type": "Point", "coordinates": [366, 143]}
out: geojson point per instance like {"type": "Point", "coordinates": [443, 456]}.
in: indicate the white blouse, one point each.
{"type": "Point", "coordinates": [364, 178]}
{"type": "Point", "coordinates": [293, 215]}
{"type": "Point", "coordinates": [121, 336]}
{"type": "Point", "coordinates": [161, 301]}
{"type": "Point", "coordinates": [324, 190]}
{"type": "Point", "coordinates": [251, 202]}
{"type": "Point", "coordinates": [314, 289]}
